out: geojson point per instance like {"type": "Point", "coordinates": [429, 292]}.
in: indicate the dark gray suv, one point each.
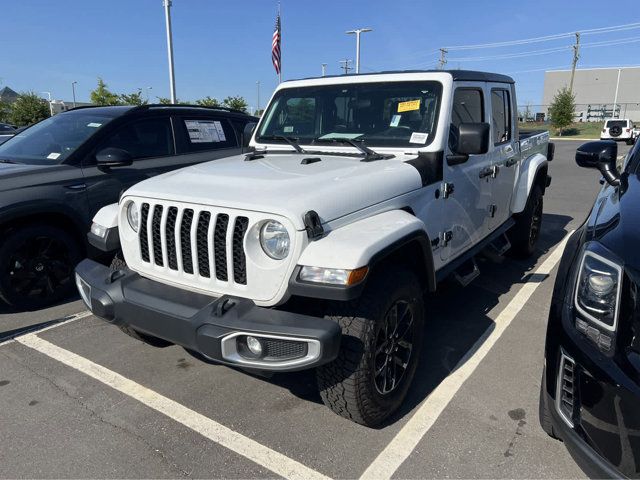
{"type": "Point", "coordinates": [56, 174]}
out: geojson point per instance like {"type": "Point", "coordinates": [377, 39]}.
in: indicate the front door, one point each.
{"type": "Point", "coordinates": [469, 191]}
{"type": "Point", "coordinates": [505, 154]}
{"type": "Point", "coordinates": [149, 141]}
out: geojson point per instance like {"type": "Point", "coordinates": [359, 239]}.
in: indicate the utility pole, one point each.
{"type": "Point", "coordinates": [576, 56]}
{"type": "Point", "coordinates": [345, 66]}
{"type": "Point", "coordinates": [172, 79]}
{"type": "Point", "coordinates": [324, 69]}
{"type": "Point", "coordinates": [357, 33]}
{"type": "Point", "coordinates": [443, 58]}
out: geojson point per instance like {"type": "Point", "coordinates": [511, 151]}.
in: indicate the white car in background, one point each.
{"type": "Point", "coordinates": [618, 130]}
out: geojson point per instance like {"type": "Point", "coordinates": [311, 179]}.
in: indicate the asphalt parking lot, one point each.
{"type": "Point", "coordinates": [81, 399]}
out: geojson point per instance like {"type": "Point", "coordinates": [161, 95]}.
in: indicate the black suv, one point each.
{"type": "Point", "coordinates": [590, 394]}
{"type": "Point", "coordinates": [55, 175]}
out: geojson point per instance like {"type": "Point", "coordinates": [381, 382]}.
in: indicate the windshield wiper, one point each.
{"type": "Point", "coordinates": [290, 140]}
{"type": "Point", "coordinates": [369, 155]}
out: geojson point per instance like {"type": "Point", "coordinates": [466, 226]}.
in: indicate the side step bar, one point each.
{"type": "Point", "coordinates": [500, 245]}
{"type": "Point", "coordinates": [467, 272]}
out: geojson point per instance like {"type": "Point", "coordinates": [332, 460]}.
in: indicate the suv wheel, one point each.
{"type": "Point", "coordinates": [36, 266]}
{"type": "Point", "coordinates": [381, 340]}
{"type": "Point", "coordinates": [525, 233]}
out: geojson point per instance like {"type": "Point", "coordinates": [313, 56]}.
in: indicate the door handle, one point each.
{"type": "Point", "coordinates": [511, 162]}
{"type": "Point", "coordinates": [489, 172]}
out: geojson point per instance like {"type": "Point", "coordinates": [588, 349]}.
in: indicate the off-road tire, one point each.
{"type": "Point", "coordinates": [46, 256]}
{"type": "Point", "coordinates": [525, 233]}
{"type": "Point", "coordinates": [118, 263]}
{"type": "Point", "coordinates": [544, 413]}
{"type": "Point", "coordinates": [347, 385]}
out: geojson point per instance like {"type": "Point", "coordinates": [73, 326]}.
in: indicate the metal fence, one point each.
{"type": "Point", "coordinates": [584, 112]}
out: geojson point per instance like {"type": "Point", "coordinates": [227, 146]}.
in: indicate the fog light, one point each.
{"type": "Point", "coordinates": [254, 345]}
{"type": "Point", "coordinates": [85, 291]}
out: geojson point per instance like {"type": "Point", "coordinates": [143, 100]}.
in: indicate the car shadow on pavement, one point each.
{"type": "Point", "coordinates": [456, 319]}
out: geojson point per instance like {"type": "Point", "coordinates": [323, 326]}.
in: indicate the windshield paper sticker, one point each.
{"type": "Point", "coordinates": [94, 125]}
{"type": "Point", "coordinates": [220, 131]}
{"type": "Point", "coordinates": [408, 106]}
{"type": "Point", "coordinates": [288, 129]}
{"type": "Point", "coordinates": [395, 120]}
{"type": "Point", "coordinates": [53, 155]}
{"type": "Point", "coordinates": [417, 137]}
{"type": "Point", "coordinates": [203, 131]}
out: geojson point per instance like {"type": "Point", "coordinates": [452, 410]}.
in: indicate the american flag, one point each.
{"type": "Point", "coordinates": [275, 47]}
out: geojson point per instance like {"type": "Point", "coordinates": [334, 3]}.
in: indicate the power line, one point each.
{"type": "Point", "coordinates": [546, 38]}
{"type": "Point", "coordinates": [544, 51]}
{"type": "Point", "coordinates": [345, 65]}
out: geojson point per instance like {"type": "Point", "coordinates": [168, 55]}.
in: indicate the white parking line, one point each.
{"type": "Point", "coordinates": [69, 319]}
{"type": "Point", "coordinates": [258, 453]}
{"type": "Point", "coordinates": [406, 440]}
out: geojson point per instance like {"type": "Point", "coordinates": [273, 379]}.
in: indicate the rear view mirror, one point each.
{"type": "Point", "coordinates": [247, 133]}
{"type": "Point", "coordinates": [601, 155]}
{"type": "Point", "coordinates": [469, 139]}
{"type": "Point", "coordinates": [113, 157]}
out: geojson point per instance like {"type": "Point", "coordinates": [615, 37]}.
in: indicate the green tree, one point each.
{"type": "Point", "coordinates": [103, 96]}
{"type": "Point", "coordinates": [28, 108]}
{"type": "Point", "coordinates": [5, 111]}
{"type": "Point", "coordinates": [132, 98]}
{"type": "Point", "coordinates": [237, 103]}
{"type": "Point", "coordinates": [167, 101]}
{"type": "Point", "coordinates": [208, 102]}
{"type": "Point", "coordinates": [562, 109]}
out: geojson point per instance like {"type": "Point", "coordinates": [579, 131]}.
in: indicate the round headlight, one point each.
{"type": "Point", "coordinates": [274, 240]}
{"type": "Point", "coordinates": [133, 216]}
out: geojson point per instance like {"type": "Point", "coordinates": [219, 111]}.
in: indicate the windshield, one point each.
{"type": "Point", "coordinates": [617, 123]}
{"type": "Point", "coordinates": [389, 114]}
{"type": "Point", "coordinates": [52, 140]}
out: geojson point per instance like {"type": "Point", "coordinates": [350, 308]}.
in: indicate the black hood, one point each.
{"type": "Point", "coordinates": [19, 175]}
{"type": "Point", "coordinates": [615, 221]}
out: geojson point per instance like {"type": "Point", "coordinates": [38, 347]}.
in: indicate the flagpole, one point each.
{"type": "Point", "coordinates": [280, 39]}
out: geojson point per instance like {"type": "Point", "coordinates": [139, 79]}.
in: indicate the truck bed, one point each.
{"type": "Point", "coordinates": [533, 141]}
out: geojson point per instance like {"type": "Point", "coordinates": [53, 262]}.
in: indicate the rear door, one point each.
{"type": "Point", "coordinates": [505, 154]}
{"type": "Point", "coordinates": [465, 210]}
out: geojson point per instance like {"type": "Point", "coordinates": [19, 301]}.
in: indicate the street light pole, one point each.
{"type": "Point", "coordinates": [357, 33]}
{"type": "Point", "coordinates": [324, 69]}
{"type": "Point", "coordinates": [73, 89]}
{"type": "Point", "coordinates": [615, 99]}
{"type": "Point", "coordinates": [50, 106]}
{"type": "Point", "coordinates": [258, 99]}
{"type": "Point", "coordinates": [172, 79]}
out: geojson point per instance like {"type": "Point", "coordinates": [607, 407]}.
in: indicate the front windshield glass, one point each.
{"type": "Point", "coordinates": [388, 114]}
{"type": "Point", "coordinates": [52, 140]}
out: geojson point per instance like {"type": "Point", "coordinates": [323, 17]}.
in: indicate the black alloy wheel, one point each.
{"type": "Point", "coordinates": [394, 346]}
{"type": "Point", "coordinates": [37, 266]}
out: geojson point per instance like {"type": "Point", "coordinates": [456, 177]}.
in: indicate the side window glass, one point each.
{"type": "Point", "coordinates": [467, 107]}
{"type": "Point", "coordinates": [500, 116]}
{"type": "Point", "coordinates": [205, 134]}
{"type": "Point", "coordinates": [146, 138]}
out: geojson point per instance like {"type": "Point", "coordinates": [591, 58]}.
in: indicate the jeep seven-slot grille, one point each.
{"type": "Point", "coordinates": [197, 242]}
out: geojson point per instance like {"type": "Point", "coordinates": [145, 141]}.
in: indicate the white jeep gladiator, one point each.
{"type": "Point", "coordinates": [315, 249]}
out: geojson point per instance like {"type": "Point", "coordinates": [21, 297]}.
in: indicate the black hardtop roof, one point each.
{"type": "Point", "coordinates": [458, 75]}
{"type": "Point", "coordinates": [128, 109]}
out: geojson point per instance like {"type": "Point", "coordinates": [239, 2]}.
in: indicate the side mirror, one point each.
{"type": "Point", "coordinates": [472, 139]}
{"type": "Point", "coordinates": [603, 156]}
{"type": "Point", "coordinates": [247, 133]}
{"type": "Point", "coordinates": [113, 157]}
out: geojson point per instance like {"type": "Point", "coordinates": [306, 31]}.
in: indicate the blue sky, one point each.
{"type": "Point", "coordinates": [222, 47]}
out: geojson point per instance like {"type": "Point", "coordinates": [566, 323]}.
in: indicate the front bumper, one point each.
{"type": "Point", "coordinates": [208, 325]}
